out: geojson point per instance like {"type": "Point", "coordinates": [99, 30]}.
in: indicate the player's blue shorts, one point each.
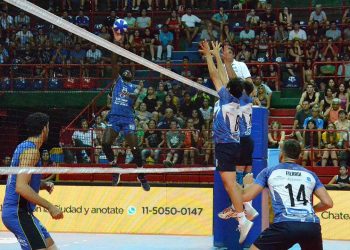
{"type": "Point", "coordinates": [29, 231]}
{"type": "Point", "coordinates": [226, 156]}
{"type": "Point", "coordinates": [121, 124]}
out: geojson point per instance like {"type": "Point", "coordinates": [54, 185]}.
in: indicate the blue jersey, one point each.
{"type": "Point", "coordinates": [246, 106]}
{"type": "Point", "coordinates": [122, 102]}
{"type": "Point", "coordinates": [13, 201]}
{"type": "Point", "coordinates": [291, 188]}
{"type": "Point", "coordinates": [226, 118]}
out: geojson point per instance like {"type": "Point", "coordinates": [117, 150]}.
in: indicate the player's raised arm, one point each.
{"type": "Point", "coordinates": [213, 72]}
{"type": "Point", "coordinates": [221, 69]}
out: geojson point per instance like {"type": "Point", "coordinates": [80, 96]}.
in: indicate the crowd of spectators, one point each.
{"type": "Point", "coordinates": [305, 53]}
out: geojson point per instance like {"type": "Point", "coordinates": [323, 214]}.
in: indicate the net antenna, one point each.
{"type": "Point", "coordinates": [58, 21]}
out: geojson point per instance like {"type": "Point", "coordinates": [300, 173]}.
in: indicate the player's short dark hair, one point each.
{"type": "Point", "coordinates": [291, 149]}
{"type": "Point", "coordinates": [235, 87]}
{"type": "Point", "coordinates": [35, 123]}
{"type": "Point", "coordinates": [248, 87]}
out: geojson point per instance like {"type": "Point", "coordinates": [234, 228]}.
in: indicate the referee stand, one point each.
{"type": "Point", "coordinates": [225, 232]}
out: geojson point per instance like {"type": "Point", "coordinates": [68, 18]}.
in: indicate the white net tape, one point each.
{"type": "Point", "coordinates": [47, 16]}
{"type": "Point", "coordinates": [98, 170]}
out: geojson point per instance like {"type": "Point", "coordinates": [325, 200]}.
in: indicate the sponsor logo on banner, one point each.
{"type": "Point", "coordinates": [96, 209]}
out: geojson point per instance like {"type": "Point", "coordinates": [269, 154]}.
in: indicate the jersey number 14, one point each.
{"type": "Point", "coordinates": [300, 196]}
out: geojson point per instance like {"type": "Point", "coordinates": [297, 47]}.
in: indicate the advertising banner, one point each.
{"type": "Point", "coordinates": [335, 222]}
{"type": "Point", "coordinates": [100, 209]}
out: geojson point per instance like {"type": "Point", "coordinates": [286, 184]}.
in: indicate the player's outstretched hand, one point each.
{"type": "Point", "coordinates": [55, 212]}
{"type": "Point", "coordinates": [117, 36]}
{"type": "Point", "coordinates": [216, 48]}
{"type": "Point", "coordinates": [248, 179]}
{"type": "Point", "coordinates": [204, 48]}
{"type": "Point", "coordinates": [227, 54]}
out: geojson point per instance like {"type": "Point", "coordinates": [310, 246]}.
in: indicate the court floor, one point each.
{"type": "Point", "coordinates": [136, 242]}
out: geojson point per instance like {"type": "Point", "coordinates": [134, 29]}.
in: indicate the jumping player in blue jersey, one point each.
{"type": "Point", "coordinates": [291, 189]}
{"type": "Point", "coordinates": [121, 118]}
{"type": "Point", "coordinates": [235, 69]}
{"type": "Point", "coordinates": [226, 131]}
{"type": "Point", "coordinates": [22, 190]}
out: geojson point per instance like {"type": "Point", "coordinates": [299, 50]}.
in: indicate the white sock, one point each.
{"type": "Point", "coordinates": [241, 218]}
{"type": "Point", "coordinates": [247, 205]}
{"type": "Point", "coordinates": [233, 207]}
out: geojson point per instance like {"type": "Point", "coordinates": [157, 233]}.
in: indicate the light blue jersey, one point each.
{"type": "Point", "coordinates": [246, 106]}
{"type": "Point", "coordinates": [226, 118]}
{"type": "Point", "coordinates": [291, 188]}
{"type": "Point", "coordinates": [122, 102]}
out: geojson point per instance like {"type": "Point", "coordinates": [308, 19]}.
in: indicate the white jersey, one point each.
{"type": "Point", "coordinates": [291, 188]}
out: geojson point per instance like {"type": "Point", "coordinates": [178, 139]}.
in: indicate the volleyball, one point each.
{"type": "Point", "coordinates": [120, 26]}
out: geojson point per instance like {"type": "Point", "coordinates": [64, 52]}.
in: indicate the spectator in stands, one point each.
{"type": "Point", "coordinates": [207, 113]}
{"type": "Point", "coordinates": [327, 100]}
{"type": "Point", "coordinates": [252, 18]}
{"type": "Point", "coordinates": [296, 53]}
{"type": "Point", "coordinates": [60, 55]}
{"type": "Point", "coordinates": [148, 42]}
{"type": "Point", "coordinates": [24, 36]}
{"type": "Point", "coordinates": [199, 98]}
{"type": "Point", "coordinates": [67, 17]}
{"type": "Point", "coordinates": [186, 107]}
{"type": "Point", "coordinates": [109, 21]}
{"type": "Point", "coordinates": [343, 124]}
{"type": "Point", "coordinates": [344, 69]}
{"type": "Point", "coordinates": [190, 23]}
{"type": "Point", "coordinates": [315, 116]}
{"type": "Point", "coordinates": [142, 4]}
{"type": "Point", "coordinates": [299, 119]}
{"type": "Point", "coordinates": [130, 19]}
{"type": "Point", "coordinates": [315, 32]}
{"type": "Point", "coordinates": [343, 96]}
{"type": "Point", "coordinates": [318, 15]}
{"type": "Point", "coordinates": [258, 82]}
{"type": "Point", "coordinates": [286, 17]}
{"type": "Point", "coordinates": [154, 141]}
{"type": "Point", "coordinates": [243, 54]}
{"type": "Point", "coordinates": [77, 55]}
{"type": "Point", "coordinates": [330, 140]}
{"type": "Point", "coordinates": [208, 143]}
{"type": "Point", "coordinates": [297, 33]}
{"type": "Point", "coordinates": [151, 99]}
{"type": "Point", "coordinates": [313, 54]}
{"type": "Point", "coordinates": [21, 19]}
{"type": "Point", "coordinates": [342, 180]}
{"type": "Point", "coordinates": [191, 137]}
{"type": "Point", "coordinates": [4, 55]}
{"type": "Point", "coordinates": [346, 33]}
{"type": "Point", "coordinates": [174, 24]}
{"type": "Point", "coordinates": [41, 38]}
{"type": "Point", "coordinates": [268, 16]}
{"type": "Point", "coordinates": [81, 20]}
{"type": "Point", "coordinates": [93, 56]}
{"type": "Point", "coordinates": [281, 34]}
{"type": "Point", "coordinates": [346, 17]}
{"type": "Point", "coordinates": [105, 34]}
{"type": "Point", "coordinates": [143, 115]}
{"type": "Point", "coordinates": [262, 98]}
{"type": "Point", "coordinates": [186, 72]}
{"type": "Point", "coordinates": [136, 44]}
{"type": "Point", "coordinates": [56, 36]}
{"type": "Point", "coordinates": [168, 104]}
{"type": "Point", "coordinates": [143, 21]}
{"type": "Point", "coordinates": [174, 140]}
{"type": "Point", "coordinates": [276, 136]}
{"type": "Point", "coordinates": [6, 162]}
{"type": "Point", "coordinates": [209, 33]}
{"type": "Point", "coordinates": [334, 33]}
{"type": "Point", "coordinates": [312, 139]}
{"type": "Point", "coordinates": [6, 21]}
{"type": "Point", "coordinates": [198, 121]}
{"type": "Point", "coordinates": [166, 43]}
{"type": "Point", "coordinates": [330, 50]}
{"type": "Point", "coordinates": [227, 37]}
{"type": "Point", "coordinates": [332, 113]}
{"type": "Point", "coordinates": [84, 138]}
{"type": "Point", "coordinates": [161, 93]}
{"type": "Point", "coordinates": [307, 71]}
{"type": "Point", "coordinates": [247, 35]}
{"type": "Point", "coordinates": [220, 19]}
{"type": "Point", "coordinates": [310, 95]}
